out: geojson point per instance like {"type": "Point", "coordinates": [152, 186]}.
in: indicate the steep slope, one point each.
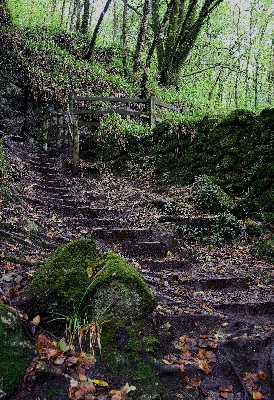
{"type": "Point", "coordinates": [215, 303]}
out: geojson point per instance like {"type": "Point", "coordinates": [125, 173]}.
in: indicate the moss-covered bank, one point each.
{"type": "Point", "coordinates": [16, 351]}
{"type": "Point", "coordinates": [237, 150]}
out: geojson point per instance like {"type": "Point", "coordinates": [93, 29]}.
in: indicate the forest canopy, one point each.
{"type": "Point", "coordinates": [210, 54]}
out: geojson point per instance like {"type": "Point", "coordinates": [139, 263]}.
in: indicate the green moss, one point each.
{"type": "Point", "coordinates": [131, 361]}
{"type": "Point", "coordinates": [65, 272]}
{"type": "Point", "coordinates": [16, 352]}
{"type": "Point", "coordinates": [76, 279]}
{"type": "Point", "coordinates": [120, 290]}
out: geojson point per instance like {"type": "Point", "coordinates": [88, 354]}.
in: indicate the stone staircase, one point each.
{"type": "Point", "coordinates": [219, 309]}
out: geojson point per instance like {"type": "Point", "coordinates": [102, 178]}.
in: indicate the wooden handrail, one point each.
{"type": "Point", "coordinates": [73, 122]}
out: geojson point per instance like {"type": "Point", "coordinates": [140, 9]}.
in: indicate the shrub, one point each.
{"type": "Point", "coordinates": [264, 249]}
{"type": "Point", "coordinates": [221, 228]}
{"type": "Point", "coordinates": [209, 197]}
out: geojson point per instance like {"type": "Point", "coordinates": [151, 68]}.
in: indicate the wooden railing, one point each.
{"type": "Point", "coordinates": [65, 124]}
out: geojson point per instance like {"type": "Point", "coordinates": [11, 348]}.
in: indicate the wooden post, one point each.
{"type": "Point", "coordinates": [70, 122]}
{"type": "Point", "coordinates": [75, 167]}
{"type": "Point", "coordinates": [152, 112]}
{"type": "Point", "coordinates": [59, 126]}
{"type": "Point", "coordinates": [45, 133]}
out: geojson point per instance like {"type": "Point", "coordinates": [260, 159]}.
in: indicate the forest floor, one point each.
{"type": "Point", "coordinates": [216, 302]}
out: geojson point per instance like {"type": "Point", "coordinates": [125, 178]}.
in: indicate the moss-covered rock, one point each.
{"type": "Point", "coordinates": [16, 351]}
{"type": "Point", "coordinates": [65, 275]}
{"type": "Point", "coordinates": [76, 279]}
{"type": "Point", "coordinates": [119, 291]}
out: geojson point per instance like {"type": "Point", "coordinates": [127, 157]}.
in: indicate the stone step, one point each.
{"type": "Point", "coordinates": [117, 235]}
{"type": "Point", "coordinates": [144, 249]}
{"type": "Point", "coordinates": [216, 283]}
{"type": "Point", "coordinates": [160, 265]}
{"type": "Point", "coordinates": [248, 308]}
{"type": "Point", "coordinates": [192, 287]}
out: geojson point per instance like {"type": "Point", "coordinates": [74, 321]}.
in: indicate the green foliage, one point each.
{"type": "Point", "coordinates": [210, 197]}
{"type": "Point", "coordinates": [118, 127]}
{"type": "Point", "coordinates": [16, 351]}
{"type": "Point", "coordinates": [222, 228]}
{"type": "Point", "coordinates": [4, 165]}
{"type": "Point", "coordinates": [264, 249]}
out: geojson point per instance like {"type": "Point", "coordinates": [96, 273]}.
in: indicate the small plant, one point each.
{"type": "Point", "coordinates": [223, 228]}
{"type": "Point", "coordinates": [209, 197]}
{"type": "Point", "coordinates": [114, 126]}
{"type": "Point", "coordinates": [78, 328]}
{"type": "Point", "coordinates": [4, 166]}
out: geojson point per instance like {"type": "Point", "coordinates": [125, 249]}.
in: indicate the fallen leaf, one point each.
{"type": "Point", "coordinates": [36, 320]}
{"type": "Point", "coordinates": [262, 375]}
{"type": "Point", "coordinates": [54, 353]}
{"type": "Point", "coordinates": [72, 360]}
{"type": "Point", "coordinates": [8, 277]}
{"type": "Point", "coordinates": [224, 392]}
{"type": "Point", "coordinates": [116, 395]}
{"type": "Point", "coordinates": [203, 365]}
{"type": "Point", "coordinates": [257, 395]}
{"type": "Point", "coordinates": [59, 361]}
{"type": "Point", "coordinates": [99, 383]}
{"type": "Point", "coordinates": [126, 389]}
{"type": "Point", "coordinates": [82, 377]}
{"type": "Point", "coordinates": [166, 362]}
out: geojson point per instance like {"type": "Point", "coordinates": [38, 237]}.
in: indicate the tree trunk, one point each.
{"type": "Point", "coordinates": [85, 17]}
{"type": "Point", "coordinates": [124, 37]}
{"type": "Point", "coordinates": [78, 14]}
{"type": "Point", "coordinates": [115, 22]}
{"type": "Point", "coordinates": [141, 37]}
{"type": "Point", "coordinates": [95, 32]}
{"type": "Point", "coordinates": [5, 15]}
{"type": "Point", "coordinates": [178, 48]}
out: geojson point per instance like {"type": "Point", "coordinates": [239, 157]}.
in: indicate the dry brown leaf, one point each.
{"type": "Point", "coordinates": [203, 365]}
{"type": "Point", "coordinates": [224, 392]}
{"type": "Point", "coordinates": [116, 395]}
{"type": "Point", "coordinates": [201, 354]}
{"type": "Point", "coordinates": [82, 377]}
{"type": "Point", "coordinates": [257, 395]}
{"type": "Point", "coordinates": [262, 375]}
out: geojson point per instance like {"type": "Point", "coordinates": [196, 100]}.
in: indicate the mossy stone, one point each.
{"type": "Point", "coordinates": [65, 275]}
{"type": "Point", "coordinates": [119, 291]}
{"type": "Point", "coordinates": [16, 351]}
{"type": "Point", "coordinates": [76, 279]}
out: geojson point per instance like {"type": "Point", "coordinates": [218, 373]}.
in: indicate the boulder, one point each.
{"type": "Point", "coordinates": [76, 279]}
{"type": "Point", "coordinates": [16, 351]}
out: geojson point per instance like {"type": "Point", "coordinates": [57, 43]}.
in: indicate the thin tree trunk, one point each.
{"type": "Point", "coordinates": [124, 37]}
{"type": "Point", "coordinates": [96, 30]}
{"type": "Point", "coordinates": [85, 17]}
{"type": "Point", "coordinates": [141, 37]}
{"type": "Point", "coordinates": [115, 22]}
{"type": "Point", "coordinates": [73, 15]}
{"type": "Point", "coordinates": [153, 46]}
{"type": "Point", "coordinates": [78, 15]}
{"type": "Point", "coordinates": [62, 13]}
